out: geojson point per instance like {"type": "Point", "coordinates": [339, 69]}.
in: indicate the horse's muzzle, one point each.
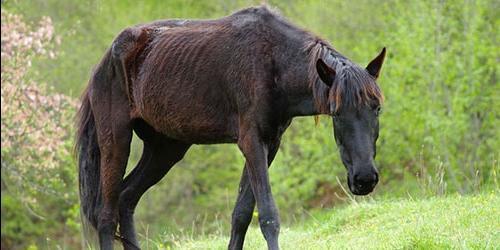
{"type": "Point", "coordinates": [362, 183]}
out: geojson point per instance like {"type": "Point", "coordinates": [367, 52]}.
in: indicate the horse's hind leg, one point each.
{"type": "Point", "coordinates": [157, 159]}
{"type": "Point", "coordinates": [114, 134]}
{"type": "Point", "coordinates": [114, 151]}
{"type": "Point", "coordinates": [115, 148]}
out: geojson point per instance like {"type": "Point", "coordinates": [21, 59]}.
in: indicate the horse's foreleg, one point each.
{"type": "Point", "coordinates": [245, 203]}
{"type": "Point", "coordinates": [157, 159]}
{"type": "Point", "coordinates": [256, 154]}
{"type": "Point", "coordinates": [242, 213]}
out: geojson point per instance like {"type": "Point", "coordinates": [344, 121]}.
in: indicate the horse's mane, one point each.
{"type": "Point", "coordinates": [353, 86]}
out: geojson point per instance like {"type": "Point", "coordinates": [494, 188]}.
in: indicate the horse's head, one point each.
{"type": "Point", "coordinates": [355, 101]}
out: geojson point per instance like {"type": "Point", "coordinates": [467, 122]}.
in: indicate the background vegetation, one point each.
{"type": "Point", "coordinates": [439, 132]}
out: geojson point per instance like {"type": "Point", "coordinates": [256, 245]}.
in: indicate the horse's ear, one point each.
{"type": "Point", "coordinates": [325, 72]}
{"type": "Point", "coordinates": [376, 64]}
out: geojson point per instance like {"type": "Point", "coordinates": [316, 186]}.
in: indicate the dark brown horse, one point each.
{"type": "Point", "coordinates": [239, 79]}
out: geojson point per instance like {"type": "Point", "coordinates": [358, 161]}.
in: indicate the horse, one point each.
{"type": "Point", "coordinates": [239, 79]}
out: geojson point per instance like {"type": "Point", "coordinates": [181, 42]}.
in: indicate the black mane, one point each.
{"type": "Point", "coordinates": [353, 86]}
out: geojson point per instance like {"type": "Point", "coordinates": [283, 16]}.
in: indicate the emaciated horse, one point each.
{"type": "Point", "coordinates": [239, 79]}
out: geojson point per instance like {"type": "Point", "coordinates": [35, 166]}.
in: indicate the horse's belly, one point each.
{"type": "Point", "coordinates": [191, 124]}
{"type": "Point", "coordinates": [200, 131]}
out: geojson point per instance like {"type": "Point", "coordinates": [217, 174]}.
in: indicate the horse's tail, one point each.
{"type": "Point", "coordinates": [88, 167]}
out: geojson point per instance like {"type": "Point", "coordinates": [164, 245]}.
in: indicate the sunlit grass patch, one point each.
{"type": "Point", "coordinates": [455, 222]}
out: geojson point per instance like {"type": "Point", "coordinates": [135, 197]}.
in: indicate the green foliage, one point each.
{"type": "Point", "coordinates": [440, 84]}
{"type": "Point", "coordinates": [38, 174]}
{"type": "Point", "coordinates": [439, 129]}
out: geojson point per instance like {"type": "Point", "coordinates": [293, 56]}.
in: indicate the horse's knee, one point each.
{"type": "Point", "coordinates": [270, 226]}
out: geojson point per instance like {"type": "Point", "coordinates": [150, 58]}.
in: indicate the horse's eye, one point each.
{"type": "Point", "coordinates": [378, 111]}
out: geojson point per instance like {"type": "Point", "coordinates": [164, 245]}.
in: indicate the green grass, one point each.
{"type": "Point", "coordinates": [455, 222]}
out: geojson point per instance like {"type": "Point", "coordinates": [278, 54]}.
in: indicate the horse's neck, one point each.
{"type": "Point", "coordinates": [300, 95]}
{"type": "Point", "coordinates": [302, 107]}
{"type": "Point", "coordinates": [295, 76]}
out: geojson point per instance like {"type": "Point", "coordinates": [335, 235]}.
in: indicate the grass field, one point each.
{"type": "Point", "coordinates": [455, 222]}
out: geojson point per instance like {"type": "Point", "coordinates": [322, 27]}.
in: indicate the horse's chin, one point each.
{"type": "Point", "coordinates": [363, 192]}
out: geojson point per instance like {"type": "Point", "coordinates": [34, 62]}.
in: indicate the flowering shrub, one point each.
{"type": "Point", "coordinates": [38, 173]}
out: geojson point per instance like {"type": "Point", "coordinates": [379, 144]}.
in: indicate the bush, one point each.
{"type": "Point", "coordinates": [39, 199]}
